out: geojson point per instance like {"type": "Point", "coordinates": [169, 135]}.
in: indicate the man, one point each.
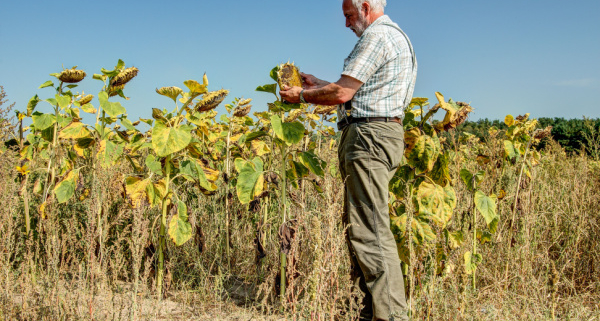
{"type": "Point", "coordinates": [376, 84]}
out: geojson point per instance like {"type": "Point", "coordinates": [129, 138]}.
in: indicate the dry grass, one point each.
{"type": "Point", "coordinates": [95, 261]}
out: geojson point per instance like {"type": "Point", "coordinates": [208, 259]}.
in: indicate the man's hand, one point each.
{"type": "Point", "coordinates": [311, 82]}
{"type": "Point", "coordinates": [290, 94]}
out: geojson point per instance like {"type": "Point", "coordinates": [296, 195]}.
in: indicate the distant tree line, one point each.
{"type": "Point", "coordinates": [571, 134]}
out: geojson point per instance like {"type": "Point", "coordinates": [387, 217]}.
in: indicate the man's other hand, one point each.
{"type": "Point", "coordinates": [290, 94]}
{"type": "Point", "coordinates": [309, 81]}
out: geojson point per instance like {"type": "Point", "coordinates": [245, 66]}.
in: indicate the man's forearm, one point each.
{"type": "Point", "coordinates": [328, 94]}
{"type": "Point", "coordinates": [321, 83]}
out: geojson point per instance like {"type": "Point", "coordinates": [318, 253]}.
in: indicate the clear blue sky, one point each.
{"type": "Point", "coordinates": [541, 57]}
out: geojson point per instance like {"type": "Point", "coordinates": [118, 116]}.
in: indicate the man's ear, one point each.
{"type": "Point", "coordinates": [366, 7]}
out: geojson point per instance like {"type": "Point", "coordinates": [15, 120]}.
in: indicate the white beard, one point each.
{"type": "Point", "coordinates": [361, 25]}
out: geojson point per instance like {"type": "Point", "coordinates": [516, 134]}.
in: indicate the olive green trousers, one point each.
{"type": "Point", "coordinates": [369, 154]}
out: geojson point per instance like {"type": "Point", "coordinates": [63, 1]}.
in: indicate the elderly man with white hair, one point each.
{"type": "Point", "coordinates": [376, 85]}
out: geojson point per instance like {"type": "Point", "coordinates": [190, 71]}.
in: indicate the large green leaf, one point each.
{"type": "Point", "coordinates": [180, 229]}
{"type": "Point", "coordinates": [31, 104]}
{"type": "Point", "coordinates": [168, 140]}
{"type": "Point", "coordinates": [271, 88]}
{"type": "Point", "coordinates": [290, 133]}
{"type": "Point", "coordinates": [486, 205]}
{"type": "Point", "coordinates": [153, 165]}
{"type": "Point", "coordinates": [399, 180]}
{"type": "Point", "coordinates": [313, 162]}
{"type": "Point", "coordinates": [441, 170]}
{"type": "Point", "coordinates": [113, 109]}
{"type": "Point", "coordinates": [192, 170]}
{"type": "Point", "coordinates": [63, 101]}
{"type": "Point", "coordinates": [250, 179]}
{"type": "Point", "coordinates": [43, 121]}
{"type": "Point", "coordinates": [273, 73]}
{"type": "Point", "coordinates": [296, 172]}
{"type": "Point", "coordinates": [75, 130]}
{"type": "Point", "coordinates": [66, 188]}
{"type": "Point", "coordinates": [471, 180]}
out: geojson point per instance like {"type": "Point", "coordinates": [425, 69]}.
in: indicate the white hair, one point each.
{"type": "Point", "coordinates": [376, 5]}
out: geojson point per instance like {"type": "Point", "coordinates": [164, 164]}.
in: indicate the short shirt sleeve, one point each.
{"type": "Point", "coordinates": [366, 57]}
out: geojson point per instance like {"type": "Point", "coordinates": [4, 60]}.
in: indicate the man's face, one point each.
{"type": "Point", "coordinates": [356, 19]}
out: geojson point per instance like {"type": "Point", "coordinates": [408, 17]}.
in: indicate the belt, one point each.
{"type": "Point", "coordinates": [354, 120]}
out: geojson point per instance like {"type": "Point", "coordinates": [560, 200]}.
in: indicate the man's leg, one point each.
{"type": "Point", "coordinates": [371, 153]}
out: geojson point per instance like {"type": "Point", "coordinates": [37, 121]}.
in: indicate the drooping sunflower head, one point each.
{"type": "Point", "coordinates": [294, 114]}
{"type": "Point", "coordinates": [289, 75]}
{"type": "Point", "coordinates": [85, 99]}
{"type": "Point", "coordinates": [540, 134]}
{"type": "Point", "coordinates": [71, 75]}
{"type": "Point", "coordinates": [114, 90]}
{"type": "Point", "coordinates": [325, 110]}
{"type": "Point", "coordinates": [211, 100]}
{"type": "Point", "coordinates": [124, 76]}
{"type": "Point", "coordinates": [241, 111]}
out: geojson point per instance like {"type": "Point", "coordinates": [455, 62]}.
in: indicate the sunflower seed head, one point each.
{"type": "Point", "coordinates": [325, 110]}
{"type": "Point", "coordinates": [114, 90]}
{"type": "Point", "coordinates": [289, 75]}
{"type": "Point", "coordinates": [85, 99]}
{"type": "Point", "coordinates": [459, 117]}
{"type": "Point", "coordinates": [71, 75]}
{"type": "Point", "coordinates": [540, 134]}
{"type": "Point", "coordinates": [294, 114]}
{"type": "Point", "coordinates": [242, 111]}
{"type": "Point", "coordinates": [211, 100]}
{"type": "Point", "coordinates": [124, 76]}
{"type": "Point", "coordinates": [244, 102]}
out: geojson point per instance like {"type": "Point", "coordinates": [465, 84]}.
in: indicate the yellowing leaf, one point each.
{"type": "Point", "coordinates": [259, 147]}
{"type": "Point", "coordinates": [195, 87]}
{"type": "Point", "coordinates": [169, 140]}
{"type": "Point", "coordinates": [136, 189]}
{"type": "Point", "coordinates": [74, 131]}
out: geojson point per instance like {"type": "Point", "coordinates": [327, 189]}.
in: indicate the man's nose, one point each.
{"type": "Point", "coordinates": [347, 23]}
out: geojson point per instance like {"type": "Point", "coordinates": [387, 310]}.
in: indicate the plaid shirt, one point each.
{"type": "Point", "coordinates": [383, 61]}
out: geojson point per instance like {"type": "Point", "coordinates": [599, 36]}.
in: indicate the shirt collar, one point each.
{"type": "Point", "coordinates": [381, 20]}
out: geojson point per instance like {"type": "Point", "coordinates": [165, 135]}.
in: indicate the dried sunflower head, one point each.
{"type": "Point", "coordinates": [325, 110]}
{"type": "Point", "coordinates": [289, 75]}
{"type": "Point", "coordinates": [244, 102]}
{"type": "Point", "coordinates": [85, 99]}
{"type": "Point", "coordinates": [540, 134]}
{"type": "Point", "coordinates": [457, 118]}
{"type": "Point", "coordinates": [124, 76]}
{"type": "Point", "coordinates": [242, 111]}
{"type": "Point", "coordinates": [294, 114]}
{"type": "Point", "coordinates": [114, 90]}
{"type": "Point", "coordinates": [71, 75]}
{"type": "Point", "coordinates": [211, 100]}
{"type": "Point", "coordinates": [171, 92]}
